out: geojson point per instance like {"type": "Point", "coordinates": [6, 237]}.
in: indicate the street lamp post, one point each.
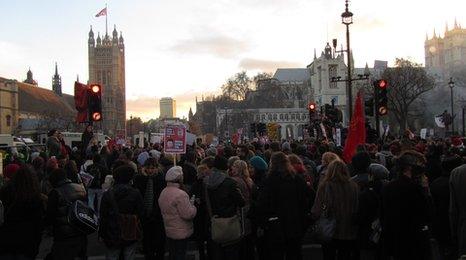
{"type": "Point", "coordinates": [451, 84]}
{"type": "Point", "coordinates": [347, 19]}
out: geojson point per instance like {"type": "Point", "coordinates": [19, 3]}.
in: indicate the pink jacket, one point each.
{"type": "Point", "coordinates": [177, 212]}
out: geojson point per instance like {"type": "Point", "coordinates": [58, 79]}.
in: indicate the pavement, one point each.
{"type": "Point", "coordinates": [96, 249]}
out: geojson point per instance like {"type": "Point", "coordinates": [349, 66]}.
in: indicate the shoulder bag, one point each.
{"type": "Point", "coordinates": [324, 228]}
{"type": "Point", "coordinates": [223, 230]}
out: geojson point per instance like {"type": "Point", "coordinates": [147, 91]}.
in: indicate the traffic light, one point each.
{"type": "Point", "coordinates": [261, 129]}
{"type": "Point", "coordinates": [369, 106]}
{"type": "Point", "coordinates": [312, 107]}
{"type": "Point", "coordinates": [381, 87]}
{"type": "Point", "coordinates": [95, 102]}
{"type": "Point", "coordinates": [253, 129]}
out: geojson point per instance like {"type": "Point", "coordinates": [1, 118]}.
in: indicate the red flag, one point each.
{"type": "Point", "coordinates": [80, 102]}
{"type": "Point", "coordinates": [356, 130]}
{"type": "Point", "coordinates": [102, 12]}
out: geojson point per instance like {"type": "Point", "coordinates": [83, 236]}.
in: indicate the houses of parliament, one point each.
{"type": "Point", "coordinates": [444, 55]}
{"type": "Point", "coordinates": [107, 67]}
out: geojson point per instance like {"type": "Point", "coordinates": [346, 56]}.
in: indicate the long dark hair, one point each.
{"type": "Point", "coordinates": [25, 184]}
{"type": "Point", "coordinates": [280, 164]}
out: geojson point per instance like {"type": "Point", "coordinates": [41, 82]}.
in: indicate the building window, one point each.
{"type": "Point", "coordinates": [332, 73]}
{"type": "Point", "coordinates": [275, 117]}
{"type": "Point", "coordinates": [269, 117]}
{"type": "Point", "coordinates": [8, 120]}
{"type": "Point", "coordinates": [286, 117]}
{"type": "Point", "coordinates": [292, 116]}
{"type": "Point", "coordinates": [281, 116]}
{"type": "Point", "coordinates": [263, 116]}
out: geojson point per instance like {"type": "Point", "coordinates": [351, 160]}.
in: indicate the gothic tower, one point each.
{"type": "Point", "coordinates": [107, 67]}
{"type": "Point", "coordinates": [56, 82]}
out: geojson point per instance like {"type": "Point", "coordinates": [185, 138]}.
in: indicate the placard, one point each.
{"type": "Point", "coordinates": [175, 139]}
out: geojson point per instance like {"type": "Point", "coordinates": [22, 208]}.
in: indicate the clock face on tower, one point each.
{"type": "Point", "coordinates": [432, 49]}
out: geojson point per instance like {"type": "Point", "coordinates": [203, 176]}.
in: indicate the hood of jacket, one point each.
{"type": "Point", "coordinates": [215, 179]}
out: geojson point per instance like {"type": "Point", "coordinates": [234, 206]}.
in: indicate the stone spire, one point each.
{"type": "Point", "coordinates": [315, 54]}
{"type": "Point", "coordinates": [190, 114]}
{"type": "Point", "coordinates": [56, 82]}
{"type": "Point", "coordinates": [456, 24]}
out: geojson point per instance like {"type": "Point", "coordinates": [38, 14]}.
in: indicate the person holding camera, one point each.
{"type": "Point", "coordinates": [407, 210]}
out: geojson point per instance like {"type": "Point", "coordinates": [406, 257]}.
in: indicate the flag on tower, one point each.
{"type": "Point", "coordinates": [102, 12]}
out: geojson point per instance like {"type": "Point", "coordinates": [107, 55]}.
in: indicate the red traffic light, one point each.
{"type": "Point", "coordinates": [312, 106]}
{"type": "Point", "coordinates": [382, 84]}
{"type": "Point", "coordinates": [96, 116]}
{"type": "Point", "coordinates": [95, 88]}
{"type": "Point", "coordinates": [383, 111]}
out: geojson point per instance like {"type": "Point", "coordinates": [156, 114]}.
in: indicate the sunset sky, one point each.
{"type": "Point", "coordinates": [186, 48]}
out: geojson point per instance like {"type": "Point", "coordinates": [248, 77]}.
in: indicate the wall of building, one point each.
{"type": "Point", "coordinates": [8, 106]}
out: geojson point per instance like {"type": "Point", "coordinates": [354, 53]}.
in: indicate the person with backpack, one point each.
{"type": "Point", "coordinates": [69, 242]}
{"type": "Point", "coordinates": [178, 212]}
{"type": "Point", "coordinates": [150, 184]}
{"type": "Point", "coordinates": [98, 171]}
{"type": "Point", "coordinates": [121, 210]}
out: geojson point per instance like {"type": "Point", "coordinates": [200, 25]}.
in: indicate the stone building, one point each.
{"type": "Point", "coordinates": [107, 67]}
{"type": "Point", "coordinates": [283, 99]}
{"type": "Point", "coordinates": [8, 106]}
{"type": "Point", "coordinates": [28, 109]}
{"type": "Point", "coordinates": [445, 54]}
{"type": "Point", "coordinates": [167, 107]}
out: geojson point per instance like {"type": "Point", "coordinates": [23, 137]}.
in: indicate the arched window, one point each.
{"type": "Point", "coordinates": [8, 120]}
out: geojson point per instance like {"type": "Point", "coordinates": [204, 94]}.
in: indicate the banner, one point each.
{"type": "Point", "coordinates": [439, 121]}
{"type": "Point", "coordinates": [423, 133]}
{"type": "Point", "coordinates": [80, 102]}
{"type": "Point", "coordinates": [175, 139]}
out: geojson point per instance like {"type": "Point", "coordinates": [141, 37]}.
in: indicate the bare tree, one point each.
{"type": "Point", "coordinates": [237, 86]}
{"type": "Point", "coordinates": [407, 81]}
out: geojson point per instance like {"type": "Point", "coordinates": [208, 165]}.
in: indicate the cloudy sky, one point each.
{"type": "Point", "coordinates": [187, 48]}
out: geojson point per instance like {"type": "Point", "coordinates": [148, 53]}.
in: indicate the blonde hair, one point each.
{"type": "Point", "coordinates": [242, 168]}
{"type": "Point", "coordinates": [294, 159]}
{"type": "Point", "coordinates": [201, 169]}
{"type": "Point", "coordinates": [329, 157]}
{"type": "Point", "coordinates": [337, 171]}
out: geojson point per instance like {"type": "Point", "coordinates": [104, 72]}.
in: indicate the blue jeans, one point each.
{"type": "Point", "coordinates": [128, 252]}
{"type": "Point", "coordinates": [177, 249]}
{"type": "Point", "coordinates": [90, 198]}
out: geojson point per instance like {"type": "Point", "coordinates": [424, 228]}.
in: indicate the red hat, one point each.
{"type": "Point", "coordinates": [456, 141]}
{"type": "Point", "coordinates": [10, 170]}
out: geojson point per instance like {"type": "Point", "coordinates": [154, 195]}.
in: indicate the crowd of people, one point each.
{"type": "Point", "coordinates": [399, 199]}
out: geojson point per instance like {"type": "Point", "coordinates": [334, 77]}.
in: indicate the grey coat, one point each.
{"type": "Point", "coordinates": [458, 207]}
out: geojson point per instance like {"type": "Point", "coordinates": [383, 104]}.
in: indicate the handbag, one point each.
{"type": "Point", "coordinates": [324, 228]}
{"type": "Point", "coordinates": [223, 230]}
{"type": "Point", "coordinates": [81, 216]}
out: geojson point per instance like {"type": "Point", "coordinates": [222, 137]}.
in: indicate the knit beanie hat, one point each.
{"type": "Point", "coordinates": [174, 174]}
{"type": "Point", "coordinates": [258, 163]}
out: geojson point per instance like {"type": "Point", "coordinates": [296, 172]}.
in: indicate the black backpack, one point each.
{"type": "Point", "coordinates": [80, 215]}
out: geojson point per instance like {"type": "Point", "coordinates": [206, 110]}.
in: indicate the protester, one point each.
{"type": "Point", "coordinates": [440, 190]}
{"type": "Point", "coordinates": [281, 209]}
{"type": "Point", "coordinates": [458, 208]}
{"type": "Point", "coordinates": [337, 197]}
{"type": "Point", "coordinates": [240, 175]}
{"type": "Point", "coordinates": [98, 171]}
{"type": "Point", "coordinates": [53, 144]}
{"type": "Point", "coordinates": [225, 200]}
{"type": "Point", "coordinates": [68, 241]}
{"type": "Point", "coordinates": [120, 214]}
{"type": "Point", "coordinates": [178, 212]}
{"type": "Point", "coordinates": [23, 213]}
{"type": "Point", "coordinates": [407, 209]}
{"type": "Point", "coordinates": [150, 184]}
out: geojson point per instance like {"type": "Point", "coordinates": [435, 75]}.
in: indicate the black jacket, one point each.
{"type": "Point", "coordinates": [285, 197]}
{"type": "Point", "coordinates": [57, 209]}
{"type": "Point", "coordinates": [21, 232]}
{"type": "Point", "coordinates": [406, 210]}
{"type": "Point", "coordinates": [440, 191]}
{"type": "Point", "coordinates": [140, 183]}
{"type": "Point", "coordinates": [224, 194]}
